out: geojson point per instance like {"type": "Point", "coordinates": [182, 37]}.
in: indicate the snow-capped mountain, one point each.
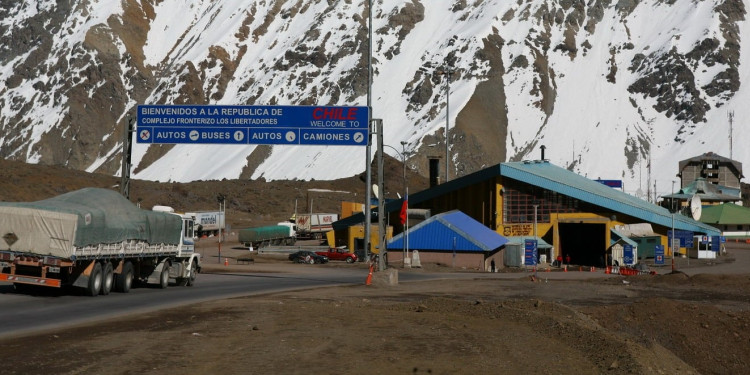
{"type": "Point", "coordinates": [613, 89]}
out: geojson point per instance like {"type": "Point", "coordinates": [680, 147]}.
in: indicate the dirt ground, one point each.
{"type": "Point", "coordinates": [663, 324]}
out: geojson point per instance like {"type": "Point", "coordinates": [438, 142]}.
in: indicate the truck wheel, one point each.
{"type": "Point", "coordinates": [95, 281]}
{"type": "Point", "coordinates": [349, 259]}
{"type": "Point", "coordinates": [164, 277]}
{"type": "Point", "coordinates": [107, 279]}
{"type": "Point", "coordinates": [193, 274]}
{"type": "Point", "coordinates": [190, 280]}
{"type": "Point", "coordinates": [124, 280]}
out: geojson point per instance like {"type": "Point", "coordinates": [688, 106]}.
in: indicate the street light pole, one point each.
{"type": "Point", "coordinates": [222, 204]}
{"type": "Point", "coordinates": [402, 155]}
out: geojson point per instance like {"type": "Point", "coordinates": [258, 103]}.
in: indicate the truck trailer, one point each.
{"type": "Point", "coordinates": [97, 240]}
{"type": "Point", "coordinates": [281, 234]}
{"type": "Point", "coordinates": [314, 226]}
{"type": "Point", "coordinates": [207, 222]}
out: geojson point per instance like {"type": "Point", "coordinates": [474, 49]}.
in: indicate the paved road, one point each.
{"type": "Point", "coordinates": [53, 309]}
{"type": "Point", "coordinates": [24, 314]}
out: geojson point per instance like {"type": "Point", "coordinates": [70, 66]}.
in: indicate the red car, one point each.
{"type": "Point", "coordinates": [337, 253]}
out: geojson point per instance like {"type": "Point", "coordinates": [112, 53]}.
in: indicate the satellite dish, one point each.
{"type": "Point", "coordinates": [695, 207]}
{"type": "Point", "coordinates": [375, 191]}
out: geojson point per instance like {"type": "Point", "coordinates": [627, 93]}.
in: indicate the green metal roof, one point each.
{"type": "Point", "coordinates": [540, 243]}
{"type": "Point", "coordinates": [727, 213]}
{"type": "Point", "coordinates": [707, 192]}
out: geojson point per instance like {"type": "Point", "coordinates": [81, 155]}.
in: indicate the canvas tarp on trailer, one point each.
{"type": "Point", "coordinates": [85, 217]}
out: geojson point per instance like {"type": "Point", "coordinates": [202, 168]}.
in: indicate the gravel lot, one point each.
{"type": "Point", "coordinates": [683, 322]}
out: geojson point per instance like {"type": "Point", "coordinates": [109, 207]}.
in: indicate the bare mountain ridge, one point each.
{"type": "Point", "coordinates": [250, 203]}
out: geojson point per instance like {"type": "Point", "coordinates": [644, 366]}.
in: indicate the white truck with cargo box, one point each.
{"type": "Point", "coordinates": [207, 222]}
{"type": "Point", "coordinates": [94, 239]}
{"type": "Point", "coordinates": [314, 226]}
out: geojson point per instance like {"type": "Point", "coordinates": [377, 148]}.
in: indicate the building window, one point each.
{"type": "Point", "coordinates": [519, 201]}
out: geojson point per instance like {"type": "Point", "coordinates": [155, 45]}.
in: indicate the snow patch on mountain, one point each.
{"type": "Point", "coordinates": [614, 90]}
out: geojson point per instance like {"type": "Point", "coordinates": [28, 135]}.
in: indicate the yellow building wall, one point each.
{"type": "Point", "coordinates": [358, 231]}
{"type": "Point", "coordinates": [483, 201]}
{"type": "Point", "coordinates": [350, 208]}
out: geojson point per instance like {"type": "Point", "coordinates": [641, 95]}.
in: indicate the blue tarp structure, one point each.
{"type": "Point", "coordinates": [449, 231]}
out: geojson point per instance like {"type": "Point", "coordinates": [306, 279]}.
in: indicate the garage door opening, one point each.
{"type": "Point", "coordinates": [583, 242]}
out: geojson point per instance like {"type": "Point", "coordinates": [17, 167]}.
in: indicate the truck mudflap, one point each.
{"type": "Point", "coordinates": [30, 280]}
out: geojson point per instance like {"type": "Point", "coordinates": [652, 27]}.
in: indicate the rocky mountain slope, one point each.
{"type": "Point", "coordinates": [613, 89]}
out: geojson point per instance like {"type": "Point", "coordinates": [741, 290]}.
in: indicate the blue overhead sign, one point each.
{"type": "Point", "coordinates": [685, 237]}
{"type": "Point", "coordinates": [266, 125]}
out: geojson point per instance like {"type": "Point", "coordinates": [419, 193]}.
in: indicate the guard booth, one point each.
{"type": "Point", "coordinates": [515, 246]}
{"type": "Point", "coordinates": [623, 253]}
{"type": "Point", "coordinates": [705, 247]}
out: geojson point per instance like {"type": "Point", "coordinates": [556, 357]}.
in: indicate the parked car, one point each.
{"type": "Point", "coordinates": [308, 257]}
{"type": "Point", "coordinates": [339, 253]}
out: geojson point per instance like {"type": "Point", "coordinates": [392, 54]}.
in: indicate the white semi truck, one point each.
{"type": "Point", "coordinates": [208, 222]}
{"type": "Point", "coordinates": [314, 226]}
{"type": "Point", "coordinates": [97, 240]}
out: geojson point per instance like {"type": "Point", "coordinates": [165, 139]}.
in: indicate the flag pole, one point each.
{"type": "Point", "coordinates": [406, 223]}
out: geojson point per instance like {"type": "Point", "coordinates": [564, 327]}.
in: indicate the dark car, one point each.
{"type": "Point", "coordinates": [308, 257]}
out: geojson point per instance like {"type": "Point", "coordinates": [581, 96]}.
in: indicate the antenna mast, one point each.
{"type": "Point", "coordinates": [730, 114]}
{"type": "Point", "coordinates": [648, 176]}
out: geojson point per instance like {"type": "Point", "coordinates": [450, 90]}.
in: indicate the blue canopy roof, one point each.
{"type": "Point", "coordinates": [452, 230]}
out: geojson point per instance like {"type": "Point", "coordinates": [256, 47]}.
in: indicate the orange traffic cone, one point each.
{"type": "Point", "coordinates": [226, 261]}
{"type": "Point", "coordinates": [369, 277]}
{"type": "Point", "coordinates": [593, 269]}
{"type": "Point", "coordinates": [566, 268]}
{"type": "Point", "coordinates": [608, 270]}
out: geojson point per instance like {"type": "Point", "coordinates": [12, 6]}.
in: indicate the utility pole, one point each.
{"type": "Point", "coordinates": [448, 72]}
{"type": "Point", "coordinates": [406, 197]}
{"type": "Point", "coordinates": [381, 198]}
{"type": "Point", "coordinates": [368, 148]}
{"type": "Point", "coordinates": [127, 151]}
